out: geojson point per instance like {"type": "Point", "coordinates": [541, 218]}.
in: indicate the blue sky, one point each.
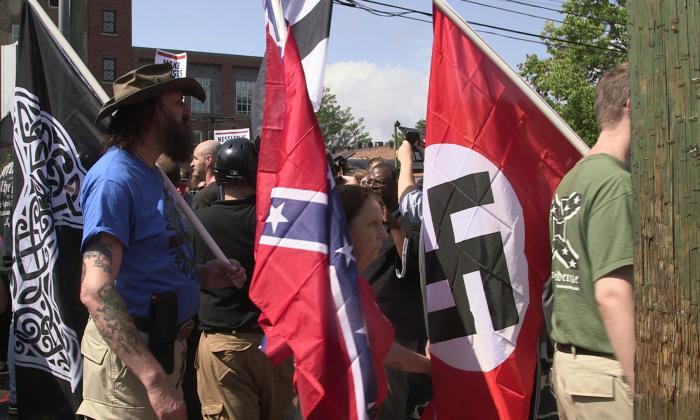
{"type": "Point", "coordinates": [378, 66]}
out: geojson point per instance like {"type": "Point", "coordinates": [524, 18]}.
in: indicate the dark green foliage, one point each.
{"type": "Point", "coordinates": [567, 78]}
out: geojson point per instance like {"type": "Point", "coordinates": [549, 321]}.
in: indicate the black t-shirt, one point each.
{"type": "Point", "coordinates": [206, 196]}
{"type": "Point", "coordinates": [400, 299]}
{"type": "Point", "coordinates": [232, 225]}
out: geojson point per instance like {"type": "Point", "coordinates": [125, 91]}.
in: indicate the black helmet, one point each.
{"type": "Point", "coordinates": [236, 162]}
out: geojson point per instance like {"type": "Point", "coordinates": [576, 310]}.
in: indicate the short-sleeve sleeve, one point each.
{"type": "Point", "coordinates": [107, 209]}
{"type": "Point", "coordinates": [611, 236]}
{"type": "Point", "coordinates": [411, 205]}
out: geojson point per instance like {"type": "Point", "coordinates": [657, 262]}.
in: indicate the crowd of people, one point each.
{"type": "Point", "coordinates": [173, 333]}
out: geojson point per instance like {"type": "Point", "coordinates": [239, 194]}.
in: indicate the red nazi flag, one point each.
{"type": "Point", "coordinates": [495, 154]}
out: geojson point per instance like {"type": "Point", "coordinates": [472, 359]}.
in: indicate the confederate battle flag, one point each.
{"type": "Point", "coordinates": [306, 281]}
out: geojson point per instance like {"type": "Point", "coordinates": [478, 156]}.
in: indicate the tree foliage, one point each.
{"type": "Point", "coordinates": [341, 130]}
{"type": "Point", "coordinates": [567, 78]}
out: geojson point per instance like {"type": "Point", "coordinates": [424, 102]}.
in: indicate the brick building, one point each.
{"type": "Point", "coordinates": [101, 35]}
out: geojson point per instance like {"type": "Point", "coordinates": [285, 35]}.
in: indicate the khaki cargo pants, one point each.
{"type": "Point", "coordinates": [235, 380]}
{"type": "Point", "coordinates": [110, 389]}
{"type": "Point", "coordinates": [590, 387]}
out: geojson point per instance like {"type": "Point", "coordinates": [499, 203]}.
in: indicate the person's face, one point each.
{"type": "Point", "coordinates": [174, 130]}
{"type": "Point", "coordinates": [198, 165]}
{"type": "Point", "coordinates": [380, 180]}
{"type": "Point", "coordinates": [367, 233]}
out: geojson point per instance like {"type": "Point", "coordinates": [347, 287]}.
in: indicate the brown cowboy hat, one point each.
{"type": "Point", "coordinates": [148, 82]}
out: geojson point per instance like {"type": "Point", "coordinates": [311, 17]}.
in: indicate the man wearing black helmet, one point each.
{"type": "Point", "coordinates": [235, 380]}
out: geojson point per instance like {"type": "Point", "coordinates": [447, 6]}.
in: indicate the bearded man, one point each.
{"type": "Point", "coordinates": [139, 283]}
{"type": "Point", "coordinates": [202, 166]}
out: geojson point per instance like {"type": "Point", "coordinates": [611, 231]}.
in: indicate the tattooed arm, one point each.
{"type": "Point", "coordinates": [101, 261]}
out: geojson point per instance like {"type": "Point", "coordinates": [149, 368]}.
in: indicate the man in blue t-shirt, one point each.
{"type": "Point", "coordinates": [140, 284]}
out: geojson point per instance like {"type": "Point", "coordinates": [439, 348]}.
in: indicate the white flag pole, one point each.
{"type": "Point", "coordinates": [536, 99]}
{"type": "Point", "coordinates": [67, 49]}
{"type": "Point", "coordinates": [102, 95]}
{"type": "Point", "coordinates": [218, 253]}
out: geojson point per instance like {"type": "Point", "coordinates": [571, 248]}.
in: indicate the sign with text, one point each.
{"type": "Point", "coordinates": [222, 135]}
{"type": "Point", "coordinates": [178, 61]}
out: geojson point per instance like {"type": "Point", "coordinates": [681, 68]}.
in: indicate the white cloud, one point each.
{"type": "Point", "coordinates": [379, 94]}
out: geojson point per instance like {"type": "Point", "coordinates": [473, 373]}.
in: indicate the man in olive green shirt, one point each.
{"type": "Point", "coordinates": [592, 256]}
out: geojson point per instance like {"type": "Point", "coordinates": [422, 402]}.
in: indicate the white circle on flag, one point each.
{"type": "Point", "coordinates": [486, 349]}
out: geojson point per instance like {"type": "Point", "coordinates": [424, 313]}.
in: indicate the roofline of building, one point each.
{"type": "Point", "coordinates": [194, 54]}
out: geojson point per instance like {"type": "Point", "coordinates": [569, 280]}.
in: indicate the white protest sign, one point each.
{"type": "Point", "coordinates": [222, 135]}
{"type": "Point", "coordinates": [178, 61]}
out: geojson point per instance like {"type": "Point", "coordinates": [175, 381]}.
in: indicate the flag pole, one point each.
{"type": "Point", "coordinates": [68, 50]}
{"type": "Point", "coordinates": [536, 99]}
{"type": "Point", "coordinates": [82, 69]}
{"type": "Point", "coordinates": [196, 223]}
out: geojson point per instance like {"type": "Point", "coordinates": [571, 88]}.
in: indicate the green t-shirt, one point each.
{"type": "Point", "coordinates": [591, 235]}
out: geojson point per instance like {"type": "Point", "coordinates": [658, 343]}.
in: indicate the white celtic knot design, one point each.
{"type": "Point", "coordinates": [52, 173]}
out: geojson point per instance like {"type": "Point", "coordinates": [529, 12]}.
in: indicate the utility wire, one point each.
{"type": "Point", "coordinates": [354, 3]}
{"type": "Point", "coordinates": [518, 12]}
{"type": "Point", "coordinates": [512, 11]}
{"type": "Point", "coordinates": [609, 22]}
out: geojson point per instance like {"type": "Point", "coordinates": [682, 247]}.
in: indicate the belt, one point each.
{"type": "Point", "coordinates": [574, 350]}
{"type": "Point", "coordinates": [142, 324]}
{"type": "Point", "coordinates": [231, 331]}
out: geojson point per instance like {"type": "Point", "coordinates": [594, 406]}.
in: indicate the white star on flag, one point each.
{"type": "Point", "coordinates": [276, 217]}
{"type": "Point", "coordinates": [347, 251]}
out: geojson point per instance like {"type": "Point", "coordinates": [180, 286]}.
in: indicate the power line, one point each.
{"type": "Point", "coordinates": [512, 11]}
{"type": "Point", "coordinates": [524, 3]}
{"type": "Point", "coordinates": [354, 3]}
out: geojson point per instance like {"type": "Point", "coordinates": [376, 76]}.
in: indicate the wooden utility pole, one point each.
{"type": "Point", "coordinates": [665, 97]}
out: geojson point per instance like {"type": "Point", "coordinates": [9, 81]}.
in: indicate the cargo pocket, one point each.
{"type": "Point", "coordinates": [95, 354]}
{"type": "Point", "coordinates": [213, 410]}
{"type": "Point", "coordinates": [228, 350]}
{"type": "Point", "coordinates": [96, 372]}
{"type": "Point", "coordinates": [584, 386]}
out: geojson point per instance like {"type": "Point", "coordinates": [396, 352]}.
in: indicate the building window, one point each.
{"type": "Point", "coordinates": [244, 96]}
{"type": "Point", "coordinates": [202, 107]}
{"type": "Point", "coordinates": [15, 33]}
{"type": "Point", "coordinates": [109, 22]}
{"type": "Point", "coordinates": [109, 68]}
{"type": "Point", "coordinates": [53, 3]}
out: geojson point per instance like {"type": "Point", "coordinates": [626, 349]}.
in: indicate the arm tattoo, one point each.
{"type": "Point", "coordinates": [115, 326]}
{"type": "Point", "coordinates": [102, 255]}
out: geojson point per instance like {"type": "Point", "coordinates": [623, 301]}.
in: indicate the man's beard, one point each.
{"type": "Point", "coordinates": [197, 177]}
{"type": "Point", "coordinates": [176, 138]}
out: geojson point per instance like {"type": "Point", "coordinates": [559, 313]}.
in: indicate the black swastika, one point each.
{"type": "Point", "coordinates": [452, 261]}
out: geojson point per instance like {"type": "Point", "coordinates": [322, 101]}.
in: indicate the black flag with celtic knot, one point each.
{"type": "Point", "coordinates": [55, 142]}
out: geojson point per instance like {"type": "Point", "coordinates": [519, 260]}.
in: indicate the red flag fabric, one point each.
{"type": "Point", "coordinates": [306, 283]}
{"type": "Point", "coordinates": [492, 162]}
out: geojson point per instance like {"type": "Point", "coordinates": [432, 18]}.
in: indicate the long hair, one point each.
{"type": "Point", "coordinates": [130, 123]}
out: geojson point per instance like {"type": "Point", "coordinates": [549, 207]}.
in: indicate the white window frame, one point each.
{"type": "Point", "coordinates": [245, 92]}
{"type": "Point", "coordinates": [114, 22]}
{"type": "Point", "coordinates": [105, 60]}
{"type": "Point", "coordinates": [202, 107]}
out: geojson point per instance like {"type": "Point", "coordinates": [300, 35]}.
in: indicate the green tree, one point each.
{"type": "Point", "coordinates": [341, 130]}
{"type": "Point", "coordinates": [596, 38]}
